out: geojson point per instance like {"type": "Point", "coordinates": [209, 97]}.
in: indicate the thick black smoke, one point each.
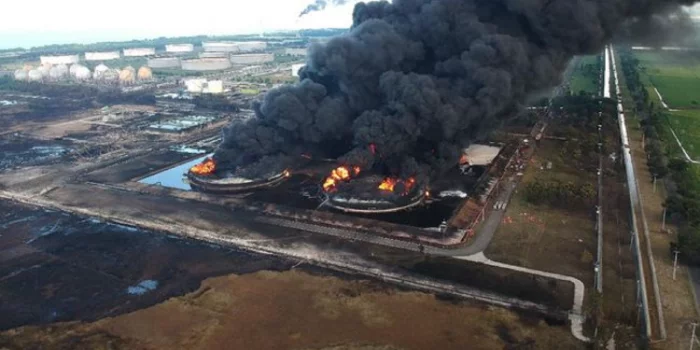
{"type": "Point", "coordinates": [671, 27]}
{"type": "Point", "coordinates": [320, 5]}
{"type": "Point", "coordinates": [420, 79]}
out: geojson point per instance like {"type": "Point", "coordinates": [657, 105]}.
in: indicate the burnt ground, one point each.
{"type": "Point", "coordinates": [59, 267]}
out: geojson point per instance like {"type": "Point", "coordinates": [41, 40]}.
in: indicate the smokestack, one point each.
{"type": "Point", "coordinates": [418, 80]}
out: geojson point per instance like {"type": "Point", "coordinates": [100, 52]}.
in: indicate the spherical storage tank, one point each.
{"type": "Point", "coordinates": [145, 73]}
{"type": "Point", "coordinates": [127, 76]}
{"type": "Point", "coordinates": [21, 74]}
{"type": "Point", "coordinates": [35, 75]}
{"type": "Point", "coordinates": [58, 72]}
{"type": "Point", "coordinates": [80, 72]}
{"type": "Point", "coordinates": [45, 70]}
{"type": "Point", "coordinates": [100, 71]}
{"type": "Point", "coordinates": [111, 75]}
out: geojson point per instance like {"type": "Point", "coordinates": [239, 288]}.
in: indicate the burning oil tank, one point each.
{"type": "Point", "coordinates": [144, 73]}
{"type": "Point", "coordinates": [205, 177]}
{"type": "Point", "coordinates": [350, 191]}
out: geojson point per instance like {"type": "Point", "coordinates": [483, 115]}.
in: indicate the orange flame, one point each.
{"type": "Point", "coordinates": [464, 159]}
{"type": "Point", "coordinates": [389, 183]}
{"type": "Point", "coordinates": [206, 167]}
{"type": "Point", "coordinates": [341, 173]}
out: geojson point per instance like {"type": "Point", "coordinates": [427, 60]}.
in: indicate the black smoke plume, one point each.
{"type": "Point", "coordinates": [414, 81]}
{"type": "Point", "coordinates": [320, 5]}
{"type": "Point", "coordinates": [671, 27]}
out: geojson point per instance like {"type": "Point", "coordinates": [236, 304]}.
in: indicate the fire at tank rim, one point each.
{"type": "Point", "coordinates": [378, 205]}
{"type": "Point", "coordinates": [217, 179]}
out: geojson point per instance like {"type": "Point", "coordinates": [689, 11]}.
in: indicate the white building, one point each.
{"type": "Point", "coordinates": [64, 59]}
{"type": "Point", "coordinates": [214, 87]}
{"type": "Point", "coordinates": [139, 52]}
{"type": "Point", "coordinates": [296, 68]}
{"type": "Point", "coordinates": [102, 56]}
{"type": "Point", "coordinates": [256, 58]}
{"type": "Point", "coordinates": [195, 85]}
{"type": "Point", "coordinates": [479, 155]}
{"type": "Point", "coordinates": [179, 48]}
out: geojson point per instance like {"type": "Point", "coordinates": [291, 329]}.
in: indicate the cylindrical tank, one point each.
{"type": "Point", "coordinates": [145, 73]}
{"type": "Point", "coordinates": [164, 62]}
{"type": "Point", "coordinates": [102, 56]}
{"type": "Point", "coordinates": [59, 71]}
{"type": "Point", "coordinates": [206, 64]}
{"type": "Point", "coordinates": [65, 59]}
{"type": "Point", "coordinates": [179, 48]}
{"type": "Point", "coordinates": [139, 52]}
{"type": "Point", "coordinates": [80, 72]}
{"type": "Point", "coordinates": [21, 74]}
{"type": "Point", "coordinates": [35, 75]}
{"type": "Point", "coordinates": [254, 58]}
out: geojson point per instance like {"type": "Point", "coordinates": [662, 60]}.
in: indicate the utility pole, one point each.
{"type": "Point", "coordinates": [692, 336]}
{"type": "Point", "coordinates": [675, 263]}
{"type": "Point", "coordinates": [663, 221]}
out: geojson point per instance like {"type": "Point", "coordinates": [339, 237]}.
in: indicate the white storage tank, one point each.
{"type": "Point", "coordinates": [179, 48]}
{"type": "Point", "coordinates": [80, 72]}
{"type": "Point", "coordinates": [100, 71]}
{"type": "Point", "coordinates": [62, 59]}
{"type": "Point", "coordinates": [102, 56]}
{"type": "Point", "coordinates": [139, 52]}
{"type": "Point", "coordinates": [206, 64]}
{"type": "Point", "coordinates": [35, 75]}
{"type": "Point", "coordinates": [58, 72]}
{"type": "Point", "coordinates": [21, 74]}
{"type": "Point", "coordinates": [256, 58]}
{"type": "Point", "coordinates": [251, 46]}
{"type": "Point", "coordinates": [223, 46]}
{"type": "Point", "coordinates": [164, 62]}
{"type": "Point", "coordinates": [44, 69]}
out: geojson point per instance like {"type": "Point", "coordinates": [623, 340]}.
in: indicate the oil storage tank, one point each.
{"type": "Point", "coordinates": [139, 52]}
{"type": "Point", "coordinates": [62, 59]}
{"type": "Point", "coordinates": [164, 62]}
{"type": "Point", "coordinates": [206, 64]}
{"type": "Point", "coordinates": [79, 72]}
{"type": "Point", "coordinates": [179, 48]}
{"type": "Point", "coordinates": [102, 56]}
{"type": "Point", "coordinates": [58, 72]}
{"type": "Point", "coordinates": [254, 58]}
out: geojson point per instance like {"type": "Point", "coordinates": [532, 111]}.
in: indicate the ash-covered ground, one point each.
{"type": "Point", "coordinates": [60, 267]}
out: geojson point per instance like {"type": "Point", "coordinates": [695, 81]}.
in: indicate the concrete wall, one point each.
{"type": "Point", "coordinates": [206, 64]}
{"type": "Point", "coordinates": [252, 58]}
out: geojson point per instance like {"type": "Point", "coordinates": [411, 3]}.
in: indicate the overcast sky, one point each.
{"type": "Point", "coordinates": [41, 22]}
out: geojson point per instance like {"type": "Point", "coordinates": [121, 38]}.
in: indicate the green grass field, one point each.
{"type": "Point", "coordinates": [585, 75]}
{"type": "Point", "coordinates": [249, 91]}
{"type": "Point", "coordinates": [686, 124]}
{"type": "Point", "coordinates": [675, 74]}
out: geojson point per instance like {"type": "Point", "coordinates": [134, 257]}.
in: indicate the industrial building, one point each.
{"type": "Point", "coordinates": [296, 68]}
{"type": "Point", "coordinates": [63, 59]}
{"type": "Point", "coordinates": [296, 52]}
{"type": "Point", "coordinates": [164, 62]}
{"type": "Point", "coordinates": [203, 86]}
{"type": "Point", "coordinates": [179, 48]}
{"type": "Point", "coordinates": [102, 56]}
{"type": "Point", "coordinates": [139, 52]}
{"type": "Point", "coordinates": [257, 58]}
{"type": "Point", "coordinates": [206, 64]}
